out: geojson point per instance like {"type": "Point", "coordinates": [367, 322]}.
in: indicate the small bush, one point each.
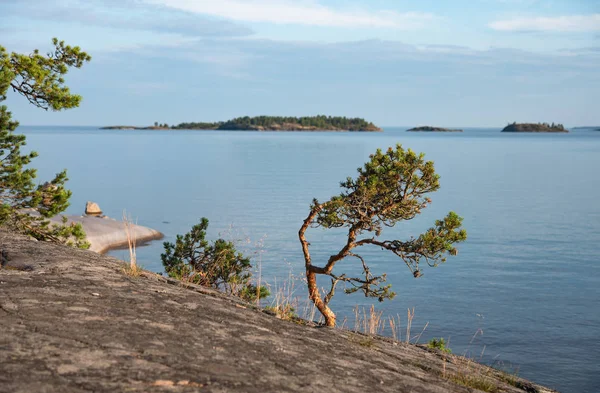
{"type": "Point", "coordinates": [215, 264]}
{"type": "Point", "coordinates": [251, 292]}
{"type": "Point", "coordinates": [439, 343]}
{"type": "Point", "coordinates": [283, 311]}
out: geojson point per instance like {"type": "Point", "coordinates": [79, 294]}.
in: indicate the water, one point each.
{"type": "Point", "coordinates": [526, 284]}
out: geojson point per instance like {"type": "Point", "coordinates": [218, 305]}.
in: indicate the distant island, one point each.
{"type": "Point", "coordinates": [432, 129]}
{"type": "Point", "coordinates": [593, 128]}
{"type": "Point", "coordinates": [534, 127]}
{"type": "Point", "coordinates": [135, 128]}
{"type": "Point", "coordinates": [269, 123]}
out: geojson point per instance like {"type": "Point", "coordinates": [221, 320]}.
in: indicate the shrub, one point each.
{"type": "Point", "coordinates": [439, 343]}
{"type": "Point", "coordinates": [215, 264]}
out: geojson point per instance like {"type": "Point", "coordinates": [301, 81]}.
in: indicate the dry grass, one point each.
{"type": "Point", "coordinates": [473, 375]}
{"type": "Point", "coordinates": [395, 325]}
{"type": "Point", "coordinates": [252, 249]}
{"type": "Point", "coordinates": [508, 374]}
{"type": "Point", "coordinates": [369, 323]}
{"type": "Point", "coordinates": [132, 269]}
{"type": "Point", "coordinates": [285, 302]}
{"type": "Point", "coordinates": [260, 249]}
{"type": "Point", "coordinates": [309, 311]}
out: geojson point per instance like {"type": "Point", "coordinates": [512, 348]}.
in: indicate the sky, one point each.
{"type": "Point", "coordinates": [465, 63]}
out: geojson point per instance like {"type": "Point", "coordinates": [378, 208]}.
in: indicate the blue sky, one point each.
{"type": "Point", "coordinates": [395, 62]}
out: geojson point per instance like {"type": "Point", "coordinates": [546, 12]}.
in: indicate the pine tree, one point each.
{"type": "Point", "coordinates": [216, 264]}
{"type": "Point", "coordinates": [392, 187]}
{"type": "Point", "coordinates": [24, 206]}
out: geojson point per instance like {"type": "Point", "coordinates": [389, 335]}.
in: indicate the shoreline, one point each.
{"type": "Point", "coordinates": [106, 234]}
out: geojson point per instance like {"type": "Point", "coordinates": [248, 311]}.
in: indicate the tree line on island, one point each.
{"type": "Point", "coordinates": [511, 127]}
{"type": "Point", "coordinates": [433, 129]}
{"type": "Point", "coordinates": [272, 123]}
{"type": "Point", "coordinates": [534, 127]}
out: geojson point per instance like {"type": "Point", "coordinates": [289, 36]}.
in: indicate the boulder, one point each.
{"type": "Point", "coordinates": [92, 209]}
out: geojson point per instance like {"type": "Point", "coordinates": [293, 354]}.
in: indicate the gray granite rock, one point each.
{"type": "Point", "coordinates": [74, 322]}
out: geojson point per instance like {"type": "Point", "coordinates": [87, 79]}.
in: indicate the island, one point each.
{"type": "Point", "coordinates": [534, 127]}
{"type": "Point", "coordinates": [269, 123]}
{"type": "Point", "coordinates": [593, 128]}
{"type": "Point", "coordinates": [432, 129]}
{"type": "Point", "coordinates": [159, 127]}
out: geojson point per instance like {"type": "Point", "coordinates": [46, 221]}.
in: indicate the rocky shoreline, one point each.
{"type": "Point", "coordinates": [74, 321]}
{"type": "Point", "coordinates": [105, 233]}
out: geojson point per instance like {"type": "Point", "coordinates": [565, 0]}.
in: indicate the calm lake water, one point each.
{"type": "Point", "coordinates": [523, 293]}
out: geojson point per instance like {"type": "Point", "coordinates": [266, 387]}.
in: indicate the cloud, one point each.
{"type": "Point", "coordinates": [264, 62]}
{"type": "Point", "coordinates": [589, 52]}
{"type": "Point", "coordinates": [572, 23]}
{"type": "Point", "coordinates": [128, 15]}
{"type": "Point", "coordinates": [300, 12]}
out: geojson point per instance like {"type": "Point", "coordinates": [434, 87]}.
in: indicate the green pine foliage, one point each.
{"type": "Point", "coordinates": [440, 344]}
{"type": "Point", "coordinates": [24, 205]}
{"type": "Point", "coordinates": [215, 264]}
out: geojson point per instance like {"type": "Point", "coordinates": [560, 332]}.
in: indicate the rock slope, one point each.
{"type": "Point", "coordinates": [72, 321]}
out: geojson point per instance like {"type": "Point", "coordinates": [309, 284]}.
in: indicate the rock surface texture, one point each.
{"type": "Point", "coordinates": [72, 321]}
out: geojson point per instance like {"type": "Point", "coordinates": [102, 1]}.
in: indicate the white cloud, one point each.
{"type": "Point", "coordinates": [301, 12]}
{"type": "Point", "coordinates": [572, 23]}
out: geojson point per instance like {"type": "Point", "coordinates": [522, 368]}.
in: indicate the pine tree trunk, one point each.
{"type": "Point", "coordinates": [315, 296]}
{"type": "Point", "coordinates": [311, 275]}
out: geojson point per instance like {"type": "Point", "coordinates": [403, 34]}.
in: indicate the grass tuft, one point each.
{"type": "Point", "coordinates": [285, 301]}
{"type": "Point", "coordinates": [132, 269]}
{"type": "Point", "coordinates": [474, 381]}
